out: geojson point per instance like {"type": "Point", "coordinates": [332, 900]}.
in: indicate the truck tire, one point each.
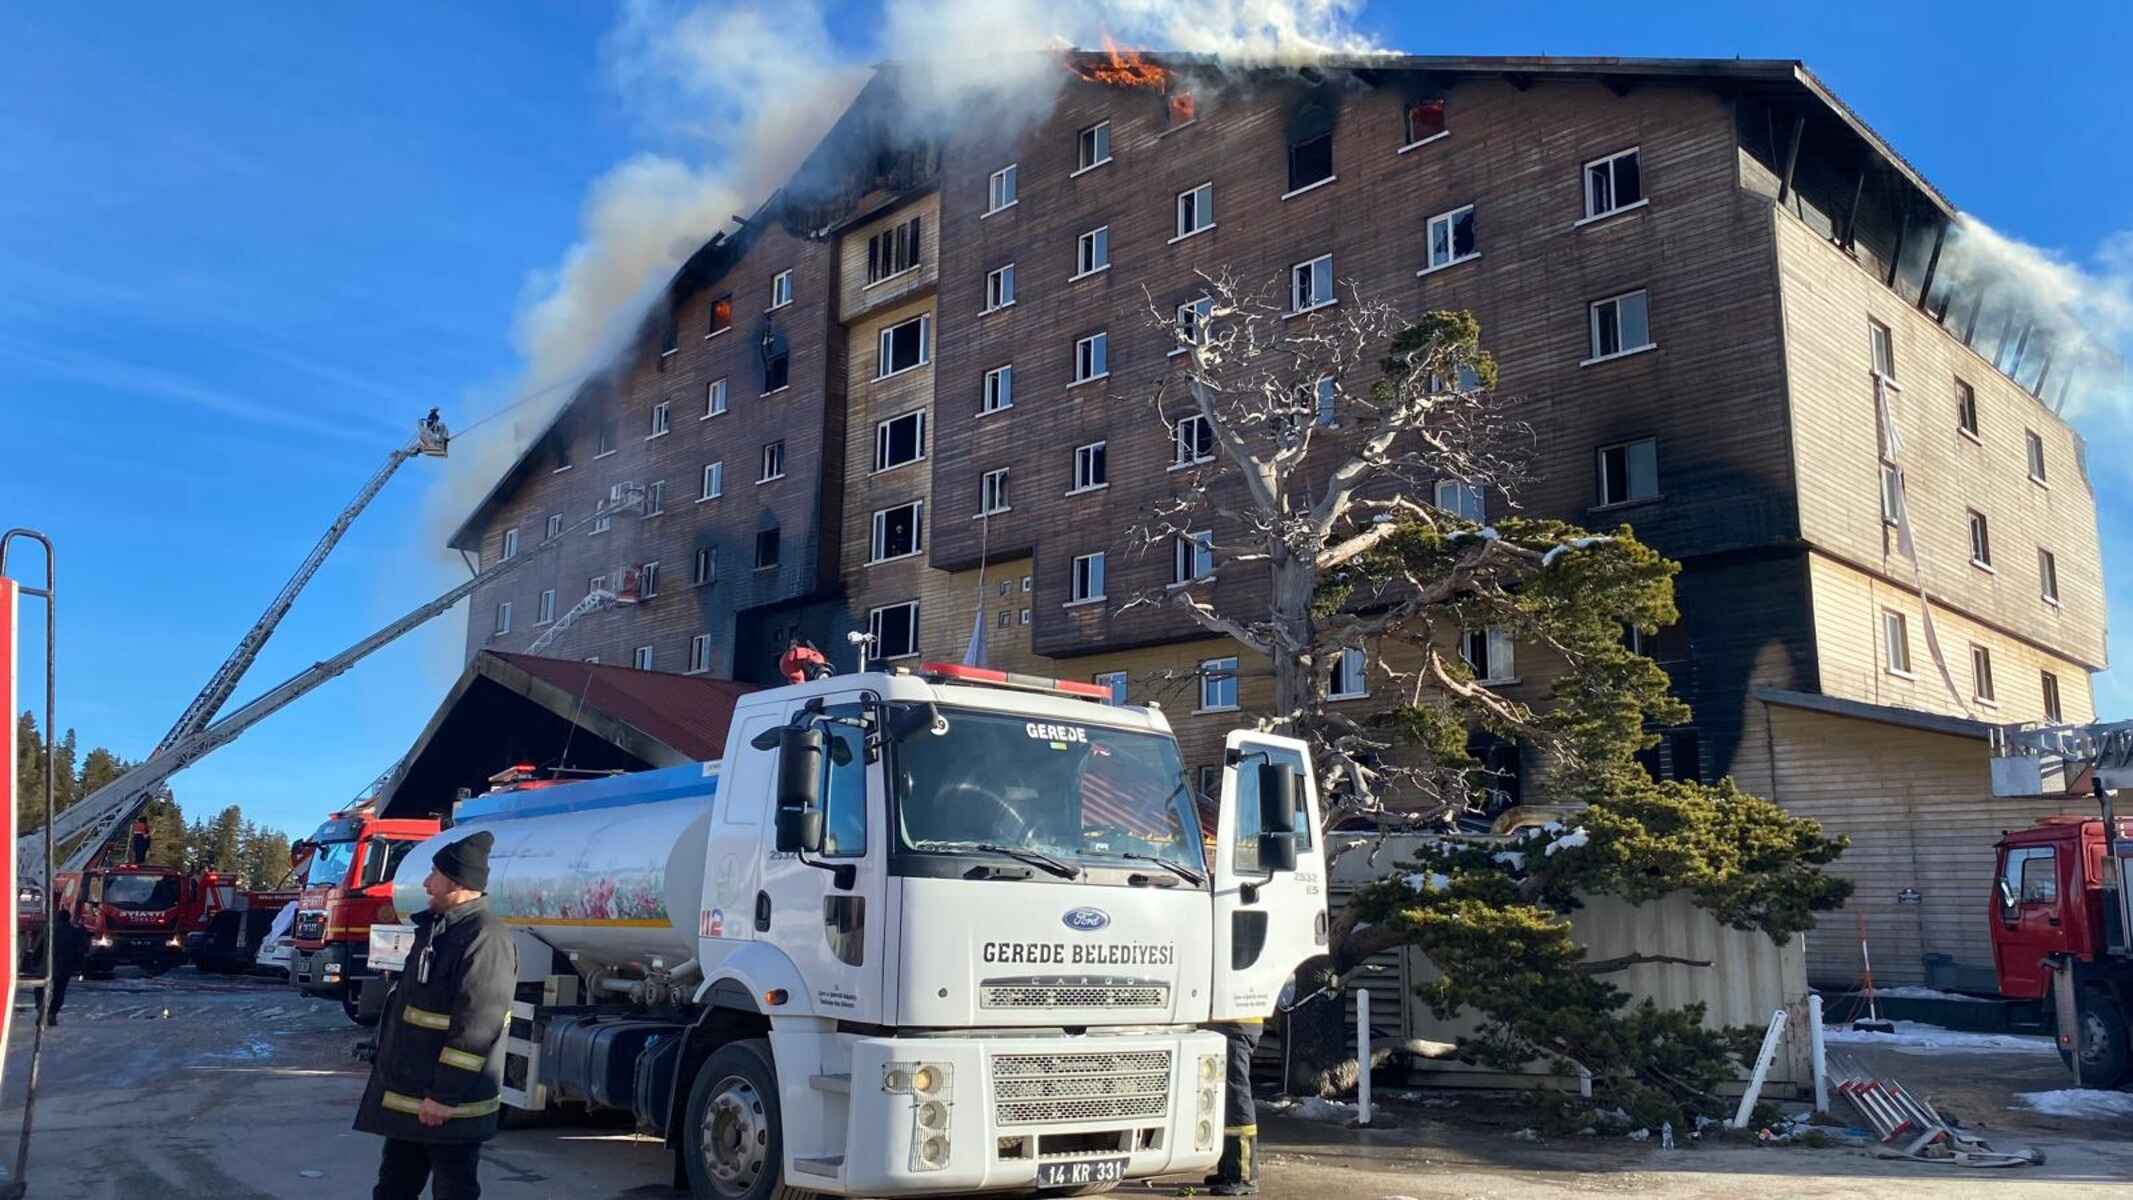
{"type": "Point", "coordinates": [732, 1145]}
{"type": "Point", "coordinates": [2106, 1059]}
{"type": "Point", "coordinates": [348, 1005]}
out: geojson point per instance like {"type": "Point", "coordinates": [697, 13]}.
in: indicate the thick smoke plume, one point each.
{"type": "Point", "coordinates": [733, 95]}
{"type": "Point", "coordinates": [2084, 315]}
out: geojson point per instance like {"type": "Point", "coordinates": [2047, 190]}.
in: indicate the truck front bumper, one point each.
{"type": "Point", "coordinates": [933, 1115]}
{"type": "Point", "coordinates": [329, 971]}
{"type": "Point", "coordinates": [157, 949]}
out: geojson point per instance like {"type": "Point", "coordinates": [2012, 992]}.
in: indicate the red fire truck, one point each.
{"type": "Point", "coordinates": [347, 886]}
{"type": "Point", "coordinates": [133, 915]}
{"type": "Point", "coordinates": [2059, 934]}
{"type": "Point", "coordinates": [233, 921]}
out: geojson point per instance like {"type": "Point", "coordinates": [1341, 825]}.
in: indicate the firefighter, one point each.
{"type": "Point", "coordinates": [434, 1084]}
{"type": "Point", "coordinates": [1238, 1172]}
{"type": "Point", "coordinates": [140, 840]}
{"type": "Point", "coordinates": [70, 949]}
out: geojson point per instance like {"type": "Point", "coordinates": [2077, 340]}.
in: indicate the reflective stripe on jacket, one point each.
{"type": "Point", "coordinates": [442, 1035]}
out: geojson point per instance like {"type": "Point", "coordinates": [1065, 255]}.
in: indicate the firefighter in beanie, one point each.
{"type": "Point", "coordinates": [440, 1063]}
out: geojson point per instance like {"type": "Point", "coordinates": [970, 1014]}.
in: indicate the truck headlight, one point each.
{"type": "Point", "coordinates": [930, 1085]}
{"type": "Point", "coordinates": [1210, 1101]}
{"type": "Point", "coordinates": [101, 942]}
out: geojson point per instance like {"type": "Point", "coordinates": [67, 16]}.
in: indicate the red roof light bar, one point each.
{"type": "Point", "coordinates": [957, 673]}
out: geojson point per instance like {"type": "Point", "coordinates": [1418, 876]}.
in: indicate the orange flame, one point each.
{"type": "Point", "coordinates": [1126, 68]}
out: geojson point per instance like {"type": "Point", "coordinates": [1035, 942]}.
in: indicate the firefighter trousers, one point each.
{"type": "Point", "coordinates": [448, 1167]}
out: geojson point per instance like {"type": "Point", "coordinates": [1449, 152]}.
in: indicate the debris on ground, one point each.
{"type": "Point", "coordinates": [1528, 1134]}
{"type": "Point", "coordinates": [2085, 1104]}
{"type": "Point", "coordinates": [1640, 1135]}
{"type": "Point", "coordinates": [1312, 1108]}
{"type": "Point", "coordinates": [1916, 1037]}
{"type": "Point", "coordinates": [1913, 1129]}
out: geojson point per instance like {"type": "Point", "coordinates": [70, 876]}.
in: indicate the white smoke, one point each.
{"type": "Point", "coordinates": [2083, 313]}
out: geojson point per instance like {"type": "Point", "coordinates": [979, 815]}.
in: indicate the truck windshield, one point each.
{"type": "Point", "coordinates": [141, 892]}
{"type": "Point", "coordinates": [329, 866]}
{"type": "Point", "coordinates": [1077, 792]}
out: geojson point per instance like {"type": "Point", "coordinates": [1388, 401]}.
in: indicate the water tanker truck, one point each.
{"type": "Point", "coordinates": [915, 933]}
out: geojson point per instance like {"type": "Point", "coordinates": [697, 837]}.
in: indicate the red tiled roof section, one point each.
{"type": "Point", "coordinates": [689, 713]}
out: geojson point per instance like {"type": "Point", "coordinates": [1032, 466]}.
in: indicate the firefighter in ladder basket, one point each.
{"type": "Point", "coordinates": [434, 1087]}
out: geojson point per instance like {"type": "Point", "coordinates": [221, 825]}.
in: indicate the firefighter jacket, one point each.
{"type": "Point", "coordinates": [442, 1035]}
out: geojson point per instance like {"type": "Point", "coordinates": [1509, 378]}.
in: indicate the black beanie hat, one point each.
{"type": "Point", "coordinates": [466, 861]}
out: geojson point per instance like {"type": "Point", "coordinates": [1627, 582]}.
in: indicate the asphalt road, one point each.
{"type": "Point", "coordinates": [239, 1088]}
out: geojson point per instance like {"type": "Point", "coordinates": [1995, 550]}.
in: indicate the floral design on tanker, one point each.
{"type": "Point", "coordinates": [637, 896]}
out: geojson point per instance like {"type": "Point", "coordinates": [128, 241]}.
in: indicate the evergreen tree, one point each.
{"type": "Point", "coordinates": [225, 839]}
{"type": "Point", "coordinates": [29, 774]}
{"type": "Point", "coordinates": [167, 841]}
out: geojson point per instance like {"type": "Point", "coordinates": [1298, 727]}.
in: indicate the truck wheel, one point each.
{"type": "Point", "coordinates": [732, 1146]}
{"type": "Point", "coordinates": [348, 1005]}
{"type": "Point", "coordinates": [2106, 1060]}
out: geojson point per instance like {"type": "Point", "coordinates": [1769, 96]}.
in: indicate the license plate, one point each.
{"type": "Point", "coordinates": [1077, 1174]}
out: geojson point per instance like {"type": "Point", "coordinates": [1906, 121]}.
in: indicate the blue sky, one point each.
{"type": "Point", "coordinates": [243, 247]}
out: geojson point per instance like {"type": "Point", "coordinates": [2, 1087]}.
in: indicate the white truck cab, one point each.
{"type": "Point", "coordinates": [914, 934]}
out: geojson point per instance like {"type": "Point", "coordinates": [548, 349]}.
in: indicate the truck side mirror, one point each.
{"type": "Point", "coordinates": [2007, 896]}
{"type": "Point", "coordinates": [1277, 800]}
{"type": "Point", "coordinates": [799, 829]}
{"type": "Point", "coordinates": [800, 755]}
{"type": "Point", "coordinates": [1277, 851]}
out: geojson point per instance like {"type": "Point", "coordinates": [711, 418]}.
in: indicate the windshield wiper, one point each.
{"type": "Point", "coordinates": [1033, 857]}
{"type": "Point", "coordinates": [1191, 877]}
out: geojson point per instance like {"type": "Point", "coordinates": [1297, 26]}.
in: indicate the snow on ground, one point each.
{"type": "Point", "coordinates": [1914, 992]}
{"type": "Point", "coordinates": [1916, 1037]}
{"type": "Point", "coordinates": [1569, 841]}
{"type": "Point", "coordinates": [2078, 1102]}
{"type": "Point", "coordinates": [1311, 1108]}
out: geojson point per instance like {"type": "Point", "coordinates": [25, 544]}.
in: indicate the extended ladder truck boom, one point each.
{"type": "Point", "coordinates": [193, 747]}
{"type": "Point", "coordinates": [89, 824]}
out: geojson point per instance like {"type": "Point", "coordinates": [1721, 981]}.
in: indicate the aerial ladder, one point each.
{"type": "Point", "coordinates": [131, 789]}
{"type": "Point", "coordinates": [89, 825]}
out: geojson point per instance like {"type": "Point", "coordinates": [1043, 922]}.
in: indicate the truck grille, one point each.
{"type": "Point", "coordinates": [1060, 992]}
{"type": "Point", "coordinates": [1031, 1089]}
{"type": "Point", "coordinates": [310, 926]}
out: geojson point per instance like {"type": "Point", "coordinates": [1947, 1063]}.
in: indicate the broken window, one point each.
{"type": "Point", "coordinates": [1452, 238]}
{"type": "Point", "coordinates": [1980, 540]}
{"type": "Point", "coordinates": [1628, 471]}
{"type": "Point", "coordinates": [992, 492]}
{"type": "Point", "coordinates": [905, 345]}
{"type": "Point", "coordinates": [1620, 325]}
{"type": "Point", "coordinates": [1000, 288]}
{"type": "Point", "coordinates": [1613, 183]}
{"type": "Point", "coordinates": [777, 361]}
{"type": "Point", "coordinates": [1092, 252]}
{"type": "Point", "coordinates": [1092, 357]}
{"type": "Point", "coordinates": [766, 549]}
{"type": "Point", "coordinates": [898, 531]}
{"type": "Point", "coordinates": [1090, 467]}
{"type": "Point", "coordinates": [1196, 210]}
{"type": "Point", "coordinates": [1311, 284]}
{"type": "Point", "coordinates": [895, 630]}
{"type": "Point", "coordinates": [1184, 109]}
{"type": "Point", "coordinates": [1193, 441]}
{"type": "Point", "coordinates": [1095, 146]}
{"type": "Point", "coordinates": [1000, 190]}
{"type": "Point", "coordinates": [773, 462]}
{"type": "Point", "coordinates": [721, 315]}
{"type": "Point", "coordinates": [1310, 161]}
{"type": "Point", "coordinates": [1981, 675]}
{"type": "Point", "coordinates": [1425, 120]}
{"type": "Point", "coordinates": [1088, 577]}
{"type": "Point", "coordinates": [1966, 408]}
{"type": "Point", "coordinates": [900, 440]}
{"type": "Point", "coordinates": [999, 389]}
{"type": "Point", "coordinates": [893, 251]}
{"type": "Point", "coordinates": [669, 341]}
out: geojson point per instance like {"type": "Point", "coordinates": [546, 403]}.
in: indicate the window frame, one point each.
{"type": "Point", "coordinates": [714, 399]}
{"type": "Point", "coordinates": [999, 289]}
{"type": "Point", "coordinates": [1296, 308]}
{"type": "Point", "coordinates": [648, 580]}
{"type": "Point", "coordinates": [503, 619]}
{"type": "Point", "coordinates": [1087, 583]}
{"type": "Point", "coordinates": [884, 345]}
{"type": "Point", "coordinates": [992, 493]}
{"type": "Point", "coordinates": [1297, 188]}
{"type": "Point", "coordinates": [1202, 220]}
{"type": "Point", "coordinates": [2048, 687]}
{"type": "Point", "coordinates": [2033, 454]}
{"type": "Point", "coordinates": [1896, 644]}
{"type": "Point", "coordinates": [1492, 637]}
{"type": "Point", "coordinates": [1092, 147]}
{"type": "Point", "coordinates": [554, 528]}
{"type": "Point", "coordinates": [1196, 330]}
{"type": "Point", "coordinates": [773, 451]}
{"type": "Point", "coordinates": [1980, 540]}
{"type": "Point", "coordinates": [777, 546]}
{"type": "Point", "coordinates": [884, 441]}
{"type": "Point", "coordinates": [878, 533]}
{"type": "Point", "coordinates": [1881, 350]}
{"type": "Point", "coordinates": [655, 499]}
{"type": "Point", "coordinates": [998, 391]}
{"type": "Point", "coordinates": [882, 251]}
{"type": "Point", "coordinates": [1098, 345]}
{"type": "Point", "coordinates": [1407, 122]}
{"type": "Point", "coordinates": [1981, 684]}
{"type": "Point", "coordinates": [1179, 460]}
{"type": "Point", "coordinates": [1967, 421]}
{"type": "Point", "coordinates": [876, 624]}
{"type": "Point", "coordinates": [1629, 473]}
{"type": "Point", "coordinates": [1614, 185]}
{"type": "Point", "coordinates": [703, 566]}
{"type": "Point", "coordinates": [699, 653]}
{"type": "Point", "coordinates": [1214, 678]}
{"type": "Point", "coordinates": [994, 191]}
{"type": "Point", "coordinates": [781, 290]}
{"type": "Point", "coordinates": [1341, 666]}
{"type": "Point", "coordinates": [712, 325]}
{"type": "Point", "coordinates": [714, 481]}
{"type": "Point", "coordinates": [1326, 402]}
{"type": "Point", "coordinates": [1188, 552]}
{"type": "Point", "coordinates": [1086, 246]}
{"type": "Point", "coordinates": [1450, 219]}
{"type": "Point", "coordinates": [1592, 327]}
{"type": "Point", "coordinates": [641, 658]}
{"type": "Point", "coordinates": [508, 547]}
{"type": "Point", "coordinates": [544, 607]}
{"type": "Point", "coordinates": [1462, 488]}
{"type": "Point", "coordinates": [2048, 576]}
{"type": "Point", "coordinates": [1096, 458]}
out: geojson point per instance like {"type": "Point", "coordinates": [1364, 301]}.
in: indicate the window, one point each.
{"type": "Point", "coordinates": [597, 583]}
{"type": "Point", "coordinates": [555, 526]}
{"type": "Point", "coordinates": [1025, 616]}
{"type": "Point", "coordinates": [1092, 357]}
{"type": "Point", "coordinates": [1613, 183]}
{"type": "Point", "coordinates": [781, 289]}
{"type": "Point", "coordinates": [1980, 540]}
{"type": "Point", "coordinates": [1192, 557]}
{"type": "Point", "coordinates": [1006, 618]}
{"type": "Point", "coordinates": [721, 316]}
{"type": "Point", "coordinates": [1184, 110]}
{"type": "Point", "coordinates": [1193, 441]}
{"type": "Point", "coordinates": [1193, 322]}
{"type": "Point", "coordinates": [844, 805]}
{"type": "Point", "coordinates": [1348, 682]}
{"type": "Point", "coordinates": [905, 345]}
{"type": "Point", "coordinates": [669, 341]}
{"type": "Point", "coordinates": [2052, 711]}
{"type": "Point", "coordinates": [893, 251]}
{"type": "Point", "coordinates": [1891, 494]}
{"type": "Point", "coordinates": [1981, 674]}
{"type": "Point", "coordinates": [2036, 454]}
{"type": "Point", "coordinates": [1090, 468]}
{"type": "Point", "coordinates": [1092, 251]}
{"type": "Point", "coordinates": [1966, 408]}
{"type": "Point", "coordinates": [777, 363]}
{"type": "Point", "coordinates": [1218, 684]}
{"type": "Point", "coordinates": [705, 567]}
{"type": "Point", "coordinates": [1882, 345]}
{"type": "Point", "coordinates": [655, 498]}
{"type": "Point", "coordinates": [900, 440]}
{"type": "Point", "coordinates": [714, 481]}
{"type": "Point", "coordinates": [714, 398]}
{"type": "Point", "coordinates": [992, 492]}
{"type": "Point", "coordinates": [1460, 498]}
{"type": "Point", "coordinates": [641, 658]}
{"type": "Point", "coordinates": [648, 580]}
{"type": "Point", "coordinates": [899, 531]}
{"type": "Point", "coordinates": [1310, 161]}
{"type": "Point", "coordinates": [895, 630]}
{"type": "Point", "coordinates": [1620, 325]}
{"type": "Point", "coordinates": [604, 441]}
{"type": "Point", "coordinates": [1896, 639]}
{"type": "Point", "coordinates": [773, 462]}
{"type": "Point", "coordinates": [1027, 581]}
{"type": "Point", "coordinates": [699, 654]}
{"type": "Point", "coordinates": [606, 520]}
{"type": "Point", "coordinates": [1327, 401]}
{"type": "Point", "coordinates": [1116, 682]}
{"type": "Point", "coordinates": [1208, 780]}
{"type": "Point", "coordinates": [2039, 883]}
{"type": "Point", "coordinates": [999, 389]}
{"type": "Point", "coordinates": [1088, 578]}
{"type": "Point", "coordinates": [1196, 210]}
{"type": "Point", "coordinates": [1424, 120]}
{"type": "Point", "coordinates": [503, 618]}
{"type": "Point", "coordinates": [1000, 190]}
{"type": "Point", "coordinates": [1451, 238]}
{"type": "Point", "coordinates": [1000, 288]}
{"type": "Point", "coordinates": [1311, 284]}
{"type": "Point", "coordinates": [510, 546]}
{"type": "Point", "coordinates": [1095, 148]}
{"type": "Point", "coordinates": [1491, 654]}
{"type": "Point", "coordinates": [1629, 471]}
{"type": "Point", "coordinates": [2047, 575]}
{"type": "Point", "coordinates": [545, 608]}
{"type": "Point", "coordinates": [766, 549]}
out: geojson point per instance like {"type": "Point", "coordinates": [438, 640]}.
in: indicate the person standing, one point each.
{"type": "Point", "coordinates": [140, 840]}
{"type": "Point", "coordinates": [70, 949]}
{"type": "Point", "coordinates": [1237, 1174]}
{"type": "Point", "coordinates": [434, 1085]}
